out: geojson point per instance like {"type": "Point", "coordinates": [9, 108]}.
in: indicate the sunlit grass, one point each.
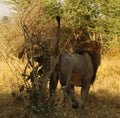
{"type": "Point", "coordinates": [103, 99]}
{"type": "Point", "coordinates": [9, 82]}
{"type": "Point", "coordinates": [108, 76]}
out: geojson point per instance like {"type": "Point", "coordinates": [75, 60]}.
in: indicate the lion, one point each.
{"type": "Point", "coordinates": [77, 69]}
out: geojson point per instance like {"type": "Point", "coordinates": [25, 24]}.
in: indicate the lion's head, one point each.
{"type": "Point", "coordinates": [93, 48]}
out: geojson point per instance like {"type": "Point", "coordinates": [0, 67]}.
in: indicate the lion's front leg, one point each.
{"type": "Point", "coordinates": [84, 93]}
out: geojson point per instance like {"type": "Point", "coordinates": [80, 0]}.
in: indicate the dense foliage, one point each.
{"type": "Point", "coordinates": [100, 20]}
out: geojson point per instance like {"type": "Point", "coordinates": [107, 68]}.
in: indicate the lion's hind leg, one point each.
{"type": "Point", "coordinates": [53, 83]}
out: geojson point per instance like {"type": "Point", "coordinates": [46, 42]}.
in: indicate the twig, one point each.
{"type": "Point", "coordinates": [9, 66]}
{"type": "Point", "coordinates": [24, 74]}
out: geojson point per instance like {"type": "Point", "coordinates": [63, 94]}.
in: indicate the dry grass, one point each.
{"type": "Point", "coordinates": [10, 80]}
{"type": "Point", "coordinates": [103, 100]}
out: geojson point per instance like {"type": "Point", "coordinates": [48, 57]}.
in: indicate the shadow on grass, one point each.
{"type": "Point", "coordinates": [102, 104]}
{"type": "Point", "coordinates": [12, 107]}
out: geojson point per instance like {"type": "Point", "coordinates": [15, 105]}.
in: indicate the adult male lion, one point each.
{"type": "Point", "coordinates": [77, 69]}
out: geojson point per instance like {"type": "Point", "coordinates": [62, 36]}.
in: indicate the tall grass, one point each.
{"type": "Point", "coordinates": [103, 100]}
